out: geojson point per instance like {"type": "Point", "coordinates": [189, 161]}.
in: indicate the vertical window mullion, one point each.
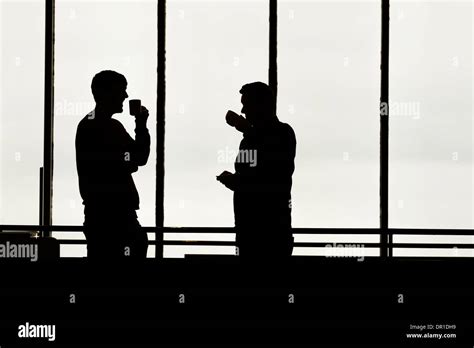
{"type": "Point", "coordinates": [384, 131]}
{"type": "Point", "coordinates": [48, 116]}
{"type": "Point", "coordinates": [272, 63]}
{"type": "Point", "coordinates": [160, 129]}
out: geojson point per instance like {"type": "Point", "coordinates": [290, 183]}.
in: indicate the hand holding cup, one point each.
{"type": "Point", "coordinates": [138, 110]}
{"type": "Point", "coordinates": [232, 118]}
{"type": "Point", "coordinates": [235, 120]}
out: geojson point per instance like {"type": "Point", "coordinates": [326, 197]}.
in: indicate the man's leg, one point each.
{"type": "Point", "coordinates": [105, 232]}
{"type": "Point", "coordinates": [136, 238]}
{"type": "Point", "coordinates": [101, 244]}
{"type": "Point", "coordinates": [249, 249]}
{"type": "Point", "coordinates": [281, 245]}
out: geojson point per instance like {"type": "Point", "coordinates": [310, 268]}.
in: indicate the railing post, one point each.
{"type": "Point", "coordinates": [41, 194]}
{"type": "Point", "coordinates": [384, 130]}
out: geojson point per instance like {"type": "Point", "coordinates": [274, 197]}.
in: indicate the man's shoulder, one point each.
{"type": "Point", "coordinates": [87, 121]}
{"type": "Point", "coordinates": [91, 122]}
{"type": "Point", "coordinates": [287, 130]}
{"type": "Point", "coordinates": [116, 123]}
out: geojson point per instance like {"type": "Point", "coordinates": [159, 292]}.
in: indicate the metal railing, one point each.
{"type": "Point", "coordinates": [160, 242]}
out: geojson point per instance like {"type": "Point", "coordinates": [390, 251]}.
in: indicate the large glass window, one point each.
{"type": "Point", "coordinates": [431, 127]}
{"type": "Point", "coordinates": [92, 36]}
{"type": "Point", "coordinates": [213, 48]}
{"type": "Point", "coordinates": [328, 91]}
{"type": "Point", "coordinates": [21, 109]}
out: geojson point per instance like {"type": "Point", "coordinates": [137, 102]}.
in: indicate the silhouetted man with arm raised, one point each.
{"type": "Point", "coordinates": [263, 177]}
{"type": "Point", "coordinates": [106, 157]}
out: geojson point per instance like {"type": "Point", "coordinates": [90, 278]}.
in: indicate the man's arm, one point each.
{"type": "Point", "coordinates": [139, 148]}
{"type": "Point", "coordinates": [141, 144]}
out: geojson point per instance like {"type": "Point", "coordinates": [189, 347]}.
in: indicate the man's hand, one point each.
{"type": "Point", "coordinates": [237, 121]}
{"type": "Point", "coordinates": [142, 117]}
{"type": "Point", "coordinates": [227, 179]}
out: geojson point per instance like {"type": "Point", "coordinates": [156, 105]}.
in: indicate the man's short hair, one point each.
{"type": "Point", "coordinates": [259, 93]}
{"type": "Point", "coordinates": [106, 80]}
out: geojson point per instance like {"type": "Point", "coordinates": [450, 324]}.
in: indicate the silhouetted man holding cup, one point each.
{"type": "Point", "coordinates": [263, 177]}
{"type": "Point", "coordinates": [106, 157]}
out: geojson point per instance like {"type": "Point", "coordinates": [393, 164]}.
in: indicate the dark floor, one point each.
{"type": "Point", "coordinates": [208, 299]}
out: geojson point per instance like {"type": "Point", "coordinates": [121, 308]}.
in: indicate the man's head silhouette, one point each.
{"type": "Point", "coordinates": [109, 89]}
{"type": "Point", "coordinates": [258, 103]}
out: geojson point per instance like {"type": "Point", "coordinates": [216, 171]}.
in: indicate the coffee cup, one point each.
{"type": "Point", "coordinates": [135, 106]}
